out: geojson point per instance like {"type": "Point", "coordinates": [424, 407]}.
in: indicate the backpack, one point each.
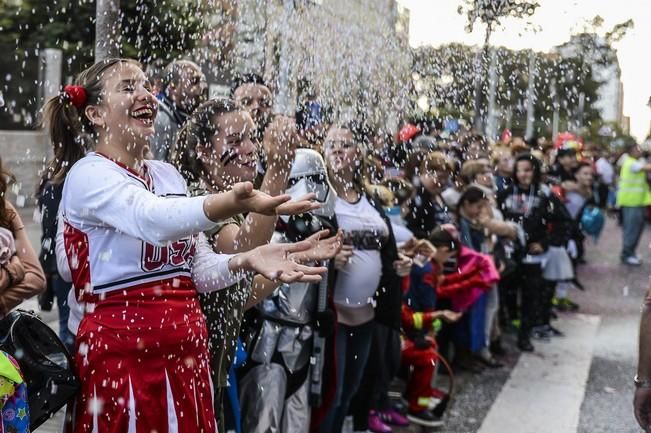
{"type": "Point", "coordinates": [44, 362]}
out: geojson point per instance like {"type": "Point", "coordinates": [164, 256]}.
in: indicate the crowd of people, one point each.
{"type": "Point", "coordinates": [218, 267]}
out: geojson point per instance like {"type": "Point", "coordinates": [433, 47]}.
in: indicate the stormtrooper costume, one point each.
{"type": "Point", "coordinates": [280, 333]}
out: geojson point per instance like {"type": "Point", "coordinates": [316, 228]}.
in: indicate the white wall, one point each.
{"type": "Point", "coordinates": [24, 153]}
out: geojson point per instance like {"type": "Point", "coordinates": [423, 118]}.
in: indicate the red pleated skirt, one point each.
{"type": "Point", "coordinates": [142, 358]}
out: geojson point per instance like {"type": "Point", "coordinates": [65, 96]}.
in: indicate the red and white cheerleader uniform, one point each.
{"type": "Point", "coordinates": [142, 352]}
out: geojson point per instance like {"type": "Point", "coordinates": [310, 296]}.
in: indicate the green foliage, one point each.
{"type": "Point", "coordinates": [150, 30]}
{"type": "Point", "coordinates": [490, 12]}
{"type": "Point", "coordinates": [161, 29]}
{"type": "Point", "coordinates": [617, 136]}
{"type": "Point", "coordinates": [30, 25]}
{"type": "Point", "coordinates": [444, 77]}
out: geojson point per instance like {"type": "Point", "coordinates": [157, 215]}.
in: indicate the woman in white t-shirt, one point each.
{"type": "Point", "coordinates": [367, 281]}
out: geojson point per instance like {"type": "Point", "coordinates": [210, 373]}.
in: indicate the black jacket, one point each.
{"type": "Point", "coordinates": [388, 296]}
{"type": "Point", "coordinates": [425, 214]}
{"type": "Point", "coordinates": [558, 174]}
{"type": "Point", "coordinates": [49, 206]}
{"type": "Point", "coordinates": [168, 123]}
{"type": "Point", "coordinates": [541, 214]}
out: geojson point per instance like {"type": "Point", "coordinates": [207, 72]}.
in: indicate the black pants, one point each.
{"type": "Point", "coordinates": [533, 298]}
{"type": "Point", "coordinates": [549, 289]}
{"type": "Point", "coordinates": [383, 366]}
{"type": "Point", "coordinates": [603, 191]}
{"type": "Point", "coordinates": [508, 289]}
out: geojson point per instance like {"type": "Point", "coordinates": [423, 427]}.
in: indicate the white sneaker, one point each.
{"type": "Point", "coordinates": [433, 402]}
{"type": "Point", "coordinates": [632, 261]}
{"type": "Point", "coordinates": [348, 425]}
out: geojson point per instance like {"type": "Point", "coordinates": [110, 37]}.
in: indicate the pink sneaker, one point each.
{"type": "Point", "coordinates": [376, 425]}
{"type": "Point", "coordinates": [394, 417]}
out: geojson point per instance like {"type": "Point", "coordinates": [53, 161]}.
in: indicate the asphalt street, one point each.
{"type": "Point", "coordinates": [546, 395]}
{"type": "Point", "coordinates": [612, 299]}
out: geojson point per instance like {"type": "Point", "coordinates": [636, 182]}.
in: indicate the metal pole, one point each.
{"type": "Point", "coordinates": [491, 121]}
{"type": "Point", "coordinates": [283, 100]}
{"type": "Point", "coordinates": [580, 112]}
{"type": "Point", "coordinates": [107, 29]}
{"type": "Point", "coordinates": [50, 60]}
{"type": "Point", "coordinates": [477, 121]}
{"type": "Point", "coordinates": [531, 90]}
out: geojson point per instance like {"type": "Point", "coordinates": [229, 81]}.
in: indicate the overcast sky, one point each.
{"type": "Point", "coordinates": [435, 22]}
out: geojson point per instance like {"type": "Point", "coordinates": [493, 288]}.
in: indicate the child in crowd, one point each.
{"type": "Point", "coordinates": [419, 316]}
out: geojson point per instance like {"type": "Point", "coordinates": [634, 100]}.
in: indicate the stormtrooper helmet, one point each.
{"type": "Point", "coordinates": [309, 174]}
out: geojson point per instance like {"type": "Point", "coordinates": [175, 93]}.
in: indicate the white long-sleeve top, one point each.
{"type": "Point", "coordinates": [119, 231]}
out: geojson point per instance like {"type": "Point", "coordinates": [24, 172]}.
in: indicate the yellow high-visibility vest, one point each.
{"type": "Point", "coordinates": [633, 189]}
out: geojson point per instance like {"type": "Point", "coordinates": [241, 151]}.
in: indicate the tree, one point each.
{"type": "Point", "coordinates": [615, 137]}
{"type": "Point", "coordinates": [512, 83]}
{"type": "Point", "coordinates": [150, 29]}
{"type": "Point", "coordinates": [443, 77]}
{"type": "Point", "coordinates": [595, 61]}
{"type": "Point", "coordinates": [569, 88]}
{"type": "Point", "coordinates": [27, 27]}
{"type": "Point", "coordinates": [163, 29]}
{"type": "Point", "coordinates": [490, 13]}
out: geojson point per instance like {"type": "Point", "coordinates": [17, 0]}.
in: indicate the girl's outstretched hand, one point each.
{"type": "Point", "coordinates": [321, 249]}
{"type": "Point", "coordinates": [276, 263]}
{"type": "Point", "coordinates": [303, 204]}
{"type": "Point", "coordinates": [253, 200]}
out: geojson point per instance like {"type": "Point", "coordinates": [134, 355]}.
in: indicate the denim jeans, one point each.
{"type": "Point", "coordinates": [632, 227]}
{"type": "Point", "coordinates": [470, 330]}
{"type": "Point", "coordinates": [352, 346]}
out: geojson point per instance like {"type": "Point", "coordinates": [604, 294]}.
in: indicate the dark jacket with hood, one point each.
{"type": "Point", "coordinates": [542, 216]}
{"type": "Point", "coordinates": [426, 213]}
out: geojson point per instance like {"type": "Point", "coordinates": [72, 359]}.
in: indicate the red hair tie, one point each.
{"type": "Point", "coordinates": [77, 95]}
